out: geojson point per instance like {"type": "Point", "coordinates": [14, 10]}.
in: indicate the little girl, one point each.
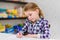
{"type": "Point", "coordinates": [35, 25]}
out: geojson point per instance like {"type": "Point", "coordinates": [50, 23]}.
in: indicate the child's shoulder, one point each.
{"type": "Point", "coordinates": [44, 20]}
{"type": "Point", "coordinates": [26, 21]}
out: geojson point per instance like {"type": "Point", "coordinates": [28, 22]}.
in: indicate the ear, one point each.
{"type": "Point", "coordinates": [37, 10]}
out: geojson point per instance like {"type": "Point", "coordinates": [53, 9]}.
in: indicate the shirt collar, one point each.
{"type": "Point", "coordinates": [36, 21]}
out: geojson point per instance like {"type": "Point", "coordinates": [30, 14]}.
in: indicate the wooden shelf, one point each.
{"type": "Point", "coordinates": [18, 2]}
{"type": "Point", "coordinates": [12, 18]}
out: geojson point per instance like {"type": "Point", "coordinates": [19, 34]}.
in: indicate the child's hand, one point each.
{"type": "Point", "coordinates": [28, 35]}
{"type": "Point", "coordinates": [19, 35]}
{"type": "Point", "coordinates": [31, 35]}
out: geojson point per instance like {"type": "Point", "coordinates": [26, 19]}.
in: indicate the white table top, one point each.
{"type": "Point", "coordinates": [4, 36]}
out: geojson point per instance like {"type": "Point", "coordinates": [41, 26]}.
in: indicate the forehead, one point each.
{"type": "Point", "coordinates": [28, 11]}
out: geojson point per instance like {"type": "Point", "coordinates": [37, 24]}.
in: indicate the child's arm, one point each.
{"type": "Point", "coordinates": [32, 35]}
{"type": "Point", "coordinates": [45, 30]}
{"type": "Point", "coordinates": [23, 32]}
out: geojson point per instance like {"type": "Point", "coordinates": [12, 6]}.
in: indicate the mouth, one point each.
{"type": "Point", "coordinates": [32, 20]}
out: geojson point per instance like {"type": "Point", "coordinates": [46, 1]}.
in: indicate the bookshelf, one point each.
{"type": "Point", "coordinates": [15, 2]}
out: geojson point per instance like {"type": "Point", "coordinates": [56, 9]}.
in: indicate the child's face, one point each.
{"type": "Point", "coordinates": [32, 15]}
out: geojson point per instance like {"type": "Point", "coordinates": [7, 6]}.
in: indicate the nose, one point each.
{"type": "Point", "coordinates": [30, 18]}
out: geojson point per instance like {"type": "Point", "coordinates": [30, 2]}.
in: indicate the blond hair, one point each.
{"type": "Point", "coordinates": [33, 6]}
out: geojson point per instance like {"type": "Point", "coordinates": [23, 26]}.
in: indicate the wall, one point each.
{"type": "Point", "coordinates": [51, 9]}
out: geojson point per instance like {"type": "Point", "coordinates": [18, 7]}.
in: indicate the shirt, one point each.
{"type": "Point", "coordinates": [41, 27]}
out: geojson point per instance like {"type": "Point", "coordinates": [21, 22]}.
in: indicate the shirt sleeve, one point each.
{"type": "Point", "coordinates": [25, 28]}
{"type": "Point", "coordinates": [45, 30]}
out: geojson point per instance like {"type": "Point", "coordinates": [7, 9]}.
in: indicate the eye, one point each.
{"type": "Point", "coordinates": [30, 14]}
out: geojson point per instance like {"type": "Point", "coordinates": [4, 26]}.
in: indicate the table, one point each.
{"type": "Point", "coordinates": [5, 36]}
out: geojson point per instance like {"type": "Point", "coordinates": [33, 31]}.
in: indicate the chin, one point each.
{"type": "Point", "coordinates": [33, 21]}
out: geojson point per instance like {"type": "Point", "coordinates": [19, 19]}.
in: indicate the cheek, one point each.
{"type": "Point", "coordinates": [34, 15]}
{"type": "Point", "coordinates": [30, 17]}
